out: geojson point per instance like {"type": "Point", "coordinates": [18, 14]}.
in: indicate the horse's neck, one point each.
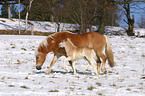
{"type": "Point", "coordinates": [69, 45]}
{"type": "Point", "coordinates": [43, 49]}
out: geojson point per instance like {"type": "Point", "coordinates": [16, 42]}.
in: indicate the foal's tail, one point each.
{"type": "Point", "coordinates": [109, 53]}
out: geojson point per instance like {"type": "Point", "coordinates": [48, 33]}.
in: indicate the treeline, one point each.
{"type": "Point", "coordinates": [82, 12]}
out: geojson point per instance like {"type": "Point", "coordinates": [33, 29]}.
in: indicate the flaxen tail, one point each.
{"type": "Point", "coordinates": [109, 53]}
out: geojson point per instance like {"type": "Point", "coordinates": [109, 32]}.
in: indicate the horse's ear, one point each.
{"type": "Point", "coordinates": [51, 37]}
{"type": "Point", "coordinates": [61, 44]}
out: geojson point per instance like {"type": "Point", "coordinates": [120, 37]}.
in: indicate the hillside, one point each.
{"type": "Point", "coordinates": [45, 27]}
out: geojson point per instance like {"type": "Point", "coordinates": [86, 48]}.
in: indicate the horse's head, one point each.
{"type": "Point", "coordinates": [46, 46]}
{"type": "Point", "coordinates": [40, 58]}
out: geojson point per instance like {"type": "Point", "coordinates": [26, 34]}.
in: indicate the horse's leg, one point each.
{"type": "Point", "coordinates": [87, 65]}
{"type": "Point", "coordinates": [52, 63]}
{"type": "Point", "coordinates": [90, 58]}
{"type": "Point", "coordinates": [70, 62]}
{"type": "Point", "coordinates": [67, 59]}
{"type": "Point", "coordinates": [74, 68]}
{"type": "Point", "coordinates": [104, 58]}
{"type": "Point", "coordinates": [97, 58]}
{"type": "Point", "coordinates": [86, 68]}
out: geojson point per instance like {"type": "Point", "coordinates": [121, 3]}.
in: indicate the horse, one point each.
{"type": "Point", "coordinates": [74, 53]}
{"type": "Point", "coordinates": [92, 40]}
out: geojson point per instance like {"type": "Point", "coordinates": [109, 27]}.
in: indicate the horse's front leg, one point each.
{"type": "Point", "coordinates": [52, 63]}
{"type": "Point", "coordinates": [64, 63]}
{"type": "Point", "coordinates": [74, 68]}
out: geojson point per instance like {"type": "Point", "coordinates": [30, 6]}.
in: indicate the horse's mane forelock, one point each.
{"type": "Point", "coordinates": [44, 43]}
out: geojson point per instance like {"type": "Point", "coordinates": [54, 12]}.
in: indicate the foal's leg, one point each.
{"type": "Point", "coordinates": [87, 65]}
{"type": "Point", "coordinates": [74, 68]}
{"type": "Point", "coordinates": [86, 68]}
{"type": "Point", "coordinates": [52, 63]}
{"type": "Point", "coordinates": [90, 58]}
{"type": "Point", "coordinates": [67, 59]}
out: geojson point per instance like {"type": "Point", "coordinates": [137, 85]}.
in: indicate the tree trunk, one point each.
{"type": "Point", "coordinates": [131, 26]}
{"type": "Point", "coordinates": [9, 11]}
{"type": "Point", "coordinates": [130, 21]}
{"type": "Point", "coordinates": [19, 20]}
{"type": "Point", "coordinates": [58, 28]}
{"type": "Point", "coordinates": [102, 22]}
{"type": "Point", "coordinates": [28, 9]}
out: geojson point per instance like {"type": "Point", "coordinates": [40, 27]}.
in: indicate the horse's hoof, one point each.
{"type": "Point", "coordinates": [105, 72]}
{"type": "Point", "coordinates": [96, 75]}
{"type": "Point", "coordinates": [47, 73]}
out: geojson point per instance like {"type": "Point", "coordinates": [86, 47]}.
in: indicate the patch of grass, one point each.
{"type": "Point", "coordinates": [26, 77]}
{"type": "Point", "coordinates": [53, 91]}
{"type": "Point", "coordinates": [11, 78]}
{"type": "Point", "coordinates": [30, 23]}
{"type": "Point", "coordinates": [71, 88]}
{"type": "Point", "coordinates": [3, 20]}
{"type": "Point", "coordinates": [13, 47]}
{"type": "Point", "coordinates": [99, 84]}
{"type": "Point", "coordinates": [90, 88]}
{"type": "Point", "coordinates": [142, 78]}
{"type": "Point", "coordinates": [12, 20]}
{"type": "Point", "coordinates": [24, 49]}
{"type": "Point", "coordinates": [128, 89]}
{"type": "Point", "coordinates": [25, 87]}
{"type": "Point", "coordinates": [113, 85]}
{"type": "Point", "coordinates": [18, 62]}
{"type": "Point", "coordinates": [48, 25]}
{"type": "Point", "coordinates": [100, 94]}
{"type": "Point", "coordinates": [11, 85]}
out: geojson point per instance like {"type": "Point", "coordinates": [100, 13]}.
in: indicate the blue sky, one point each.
{"type": "Point", "coordinates": [137, 14]}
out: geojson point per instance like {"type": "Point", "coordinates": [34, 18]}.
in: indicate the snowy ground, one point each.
{"type": "Point", "coordinates": [18, 75]}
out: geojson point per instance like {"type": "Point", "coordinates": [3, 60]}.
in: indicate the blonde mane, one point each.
{"type": "Point", "coordinates": [43, 44]}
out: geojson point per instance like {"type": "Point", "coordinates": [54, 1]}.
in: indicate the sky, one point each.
{"type": "Point", "coordinates": [137, 14]}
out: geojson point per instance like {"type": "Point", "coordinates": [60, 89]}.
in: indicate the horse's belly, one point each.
{"type": "Point", "coordinates": [79, 56]}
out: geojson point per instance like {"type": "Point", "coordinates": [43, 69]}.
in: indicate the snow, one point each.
{"type": "Point", "coordinates": [42, 26]}
{"type": "Point", "coordinates": [7, 24]}
{"type": "Point", "coordinates": [18, 75]}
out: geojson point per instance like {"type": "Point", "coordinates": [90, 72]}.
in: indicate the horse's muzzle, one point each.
{"type": "Point", "coordinates": [38, 67]}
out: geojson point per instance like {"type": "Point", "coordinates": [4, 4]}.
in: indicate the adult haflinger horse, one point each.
{"type": "Point", "coordinates": [92, 40]}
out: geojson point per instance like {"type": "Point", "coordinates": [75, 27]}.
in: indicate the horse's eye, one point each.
{"type": "Point", "coordinates": [37, 57]}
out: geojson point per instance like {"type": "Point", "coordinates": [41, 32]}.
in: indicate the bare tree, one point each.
{"type": "Point", "coordinates": [28, 9]}
{"type": "Point", "coordinates": [81, 12]}
{"type": "Point", "coordinates": [127, 5]}
{"type": "Point", "coordinates": [141, 22]}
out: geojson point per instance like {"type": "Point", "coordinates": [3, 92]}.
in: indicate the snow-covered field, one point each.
{"type": "Point", "coordinates": [18, 76]}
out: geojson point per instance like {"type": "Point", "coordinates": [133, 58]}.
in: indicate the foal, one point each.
{"type": "Point", "coordinates": [74, 53]}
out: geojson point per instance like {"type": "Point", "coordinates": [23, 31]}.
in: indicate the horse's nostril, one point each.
{"type": "Point", "coordinates": [38, 67]}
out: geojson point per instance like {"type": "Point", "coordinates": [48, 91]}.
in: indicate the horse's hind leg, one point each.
{"type": "Point", "coordinates": [87, 65]}
{"type": "Point", "coordinates": [104, 58]}
{"type": "Point", "coordinates": [86, 68]}
{"type": "Point", "coordinates": [90, 58]}
{"type": "Point", "coordinates": [97, 58]}
{"type": "Point", "coordinates": [52, 63]}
